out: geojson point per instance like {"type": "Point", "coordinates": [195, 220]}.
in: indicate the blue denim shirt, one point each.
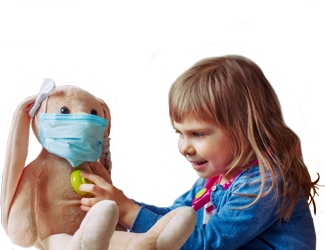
{"type": "Point", "coordinates": [254, 227]}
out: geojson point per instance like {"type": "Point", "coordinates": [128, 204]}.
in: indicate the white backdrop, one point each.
{"type": "Point", "coordinates": [116, 38]}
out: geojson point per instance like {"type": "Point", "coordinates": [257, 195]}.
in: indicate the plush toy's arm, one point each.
{"type": "Point", "coordinates": [16, 154]}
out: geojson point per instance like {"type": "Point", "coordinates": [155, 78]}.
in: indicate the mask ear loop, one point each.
{"type": "Point", "coordinates": [45, 104]}
{"type": "Point", "coordinates": [106, 153]}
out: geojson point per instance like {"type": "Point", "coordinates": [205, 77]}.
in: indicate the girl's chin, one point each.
{"type": "Point", "coordinates": [207, 174]}
{"type": "Point", "coordinates": [204, 176]}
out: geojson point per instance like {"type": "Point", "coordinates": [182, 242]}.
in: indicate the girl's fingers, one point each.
{"type": "Point", "coordinates": [89, 202]}
{"type": "Point", "coordinates": [85, 208]}
{"type": "Point", "coordinates": [95, 179]}
{"type": "Point", "coordinates": [94, 189]}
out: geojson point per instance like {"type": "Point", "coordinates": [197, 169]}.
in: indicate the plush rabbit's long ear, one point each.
{"type": "Point", "coordinates": [16, 155]}
{"type": "Point", "coordinates": [17, 147]}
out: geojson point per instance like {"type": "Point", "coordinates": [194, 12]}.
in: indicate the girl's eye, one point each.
{"type": "Point", "coordinates": [65, 110]}
{"type": "Point", "coordinates": [197, 135]}
{"type": "Point", "coordinates": [93, 112]}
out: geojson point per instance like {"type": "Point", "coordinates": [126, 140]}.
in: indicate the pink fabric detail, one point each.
{"type": "Point", "coordinates": [228, 183]}
{"type": "Point", "coordinates": [209, 209]}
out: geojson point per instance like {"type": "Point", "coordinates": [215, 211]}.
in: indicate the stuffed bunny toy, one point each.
{"type": "Point", "coordinates": [39, 205]}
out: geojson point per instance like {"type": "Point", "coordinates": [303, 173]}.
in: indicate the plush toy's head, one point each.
{"type": "Point", "coordinates": [71, 123]}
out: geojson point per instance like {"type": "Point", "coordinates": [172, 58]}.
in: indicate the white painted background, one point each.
{"type": "Point", "coordinates": [129, 53]}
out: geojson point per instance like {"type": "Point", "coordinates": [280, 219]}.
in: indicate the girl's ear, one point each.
{"type": "Point", "coordinates": [107, 116]}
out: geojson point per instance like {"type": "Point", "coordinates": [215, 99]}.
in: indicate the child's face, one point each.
{"type": "Point", "coordinates": [205, 146]}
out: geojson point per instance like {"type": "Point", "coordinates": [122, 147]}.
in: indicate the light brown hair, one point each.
{"type": "Point", "coordinates": [233, 93]}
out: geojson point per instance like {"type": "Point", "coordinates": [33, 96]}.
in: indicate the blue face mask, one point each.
{"type": "Point", "coordinates": [77, 138]}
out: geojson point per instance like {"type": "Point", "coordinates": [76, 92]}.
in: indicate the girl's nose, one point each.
{"type": "Point", "coordinates": [185, 147]}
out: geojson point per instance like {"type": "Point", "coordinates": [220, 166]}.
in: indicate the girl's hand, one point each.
{"type": "Point", "coordinates": [102, 190]}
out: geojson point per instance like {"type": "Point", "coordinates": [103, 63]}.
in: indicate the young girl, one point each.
{"type": "Point", "coordinates": [257, 187]}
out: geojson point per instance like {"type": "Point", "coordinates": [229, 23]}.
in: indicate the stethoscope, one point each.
{"type": "Point", "coordinates": [204, 195]}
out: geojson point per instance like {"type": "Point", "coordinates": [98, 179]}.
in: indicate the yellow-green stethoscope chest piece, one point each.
{"type": "Point", "coordinates": [77, 180]}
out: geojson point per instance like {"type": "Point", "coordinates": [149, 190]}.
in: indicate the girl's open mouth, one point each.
{"type": "Point", "coordinates": [199, 162]}
{"type": "Point", "coordinates": [197, 165]}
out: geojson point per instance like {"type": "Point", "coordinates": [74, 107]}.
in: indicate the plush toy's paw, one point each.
{"type": "Point", "coordinates": [57, 242]}
{"type": "Point", "coordinates": [177, 228]}
{"type": "Point", "coordinates": [100, 226]}
{"type": "Point", "coordinates": [95, 230]}
{"type": "Point", "coordinates": [169, 233]}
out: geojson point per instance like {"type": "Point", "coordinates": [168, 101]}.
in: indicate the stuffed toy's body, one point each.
{"type": "Point", "coordinates": [45, 203]}
{"type": "Point", "coordinates": [39, 206]}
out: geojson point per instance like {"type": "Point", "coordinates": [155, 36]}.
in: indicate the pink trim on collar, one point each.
{"type": "Point", "coordinates": [228, 183]}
